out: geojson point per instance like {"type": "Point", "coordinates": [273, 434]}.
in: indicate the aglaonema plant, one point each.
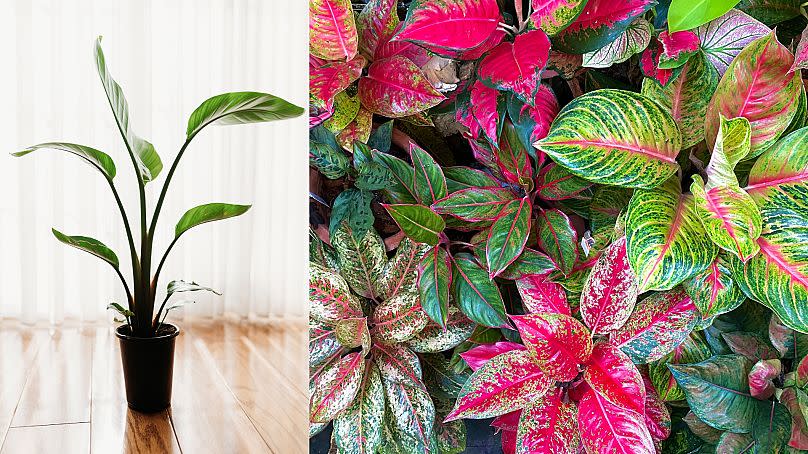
{"type": "Point", "coordinates": [224, 109]}
{"type": "Point", "coordinates": [622, 210]}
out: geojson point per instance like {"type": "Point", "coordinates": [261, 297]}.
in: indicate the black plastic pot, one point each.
{"type": "Point", "coordinates": [148, 367]}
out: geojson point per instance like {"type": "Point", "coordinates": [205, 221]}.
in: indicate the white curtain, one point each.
{"type": "Point", "coordinates": [168, 56]}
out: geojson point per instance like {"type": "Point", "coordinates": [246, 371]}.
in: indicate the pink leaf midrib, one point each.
{"type": "Point", "coordinates": [625, 147]}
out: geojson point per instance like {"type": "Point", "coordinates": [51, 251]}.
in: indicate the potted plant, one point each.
{"type": "Point", "coordinates": [147, 342]}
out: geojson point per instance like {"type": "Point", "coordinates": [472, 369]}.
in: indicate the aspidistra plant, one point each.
{"type": "Point", "coordinates": [224, 109]}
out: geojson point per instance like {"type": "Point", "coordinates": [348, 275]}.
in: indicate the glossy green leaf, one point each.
{"type": "Point", "coordinates": [89, 245]}
{"type": "Point", "coordinates": [772, 428]}
{"type": "Point", "coordinates": [433, 284]}
{"type": "Point", "coordinates": [372, 176]}
{"type": "Point", "coordinates": [666, 242]}
{"type": "Point", "coordinates": [429, 184]}
{"type": "Point", "coordinates": [475, 204]}
{"type": "Point", "coordinates": [508, 236]}
{"type": "Point", "coordinates": [401, 189]}
{"type": "Point", "coordinates": [685, 15]}
{"type": "Point", "coordinates": [615, 137]}
{"type": "Point", "coordinates": [98, 159]}
{"type": "Point", "coordinates": [459, 177]}
{"type": "Point", "coordinates": [418, 222]}
{"type": "Point", "coordinates": [331, 163]}
{"type": "Point", "coordinates": [240, 108]}
{"type": "Point", "coordinates": [352, 206]}
{"type": "Point", "coordinates": [693, 349]}
{"type": "Point", "coordinates": [557, 238]}
{"type": "Point", "coordinates": [771, 12]}
{"type": "Point", "coordinates": [120, 310]}
{"type": "Point", "coordinates": [361, 260]}
{"type": "Point", "coordinates": [478, 296]}
{"type": "Point", "coordinates": [358, 429]}
{"type": "Point", "coordinates": [208, 213]}
{"type": "Point", "coordinates": [554, 182]}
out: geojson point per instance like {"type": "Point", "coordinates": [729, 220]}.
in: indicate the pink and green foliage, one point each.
{"type": "Point", "coordinates": [573, 217]}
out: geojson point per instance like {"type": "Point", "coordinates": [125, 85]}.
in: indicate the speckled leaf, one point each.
{"type": "Point", "coordinates": [714, 290]}
{"type": "Point", "coordinates": [433, 284]}
{"type": "Point", "coordinates": [723, 39]}
{"type": "Point", "coordinates": [450, 25]}
{"type": "Point", "coordinates": [552, 16]}
{"type": "Point", "coordinates": [548, 426]}
{"type": "Point", "coordinates": [599, 23]}
{"type": "Point", "coordinates": [665, 240]}
{"type": "Point", "coordinates": [326, 81]}
{"type": "Point", "coordinates": [687, 97]}
{"type": "Point", "coordinates": [484, 108]}
{"type": "Point", "coordinates": [451, 436]}
{"type": "Point", "coordinates": [336, 388]}
{"type": "Point", "coordinates": [481, 354]}
{"type": "Point", "coordinates": [693, 349]}
{"type": "Point", "coordinates": [613, 376]}
{"type": "Point", "coordinates": [542, 296]}
{"type": "Point", "coordinates": [649, 61]}
{"type": "Point", "coordinates": [395, 87]}
{"type": "Point", "coordinates": [418, 222]}
{"type": "Point", "coordinates": [635, 148]}
{"type": "Point", "coordinates": [557, 238]}
{"type": "Point", "coordinates": [508, 236]}
{"type": "Point", "coordinates": [412, 411]}
{"type": "Point", "coordinates": [353, 333]}
{"type": "Point", "coordinates": [322, 342]}
{"type": "Point", "coordinates": [677, 48]}
{"type": "Point", "coordinates": [358, 430]}
{"type": "Point", "coordinates": [375, 24]}
{"type": "Point", "coordinates": [401, 272]}
{"type": "Point", "coordinates": [718, 391]}
{"type": "Point", "coordinates": [658, 324]}
{"type": "Point", "coordinates": [606, 427]}
{"type": "Point", "coordinates": [474, 204]}
{"type": "Point", "coordinates": [751, 345]}
{"type": "Point", "coordinates": [361, 260]}
{"type": "Point", "coordinates": [429, 183]}
{"type": "Point", "coordinates": [330, 299]}
{"type": "Point", "coordinates": [513, 158]}
{"type": "Point", "coordinates": [399, 318]}
{"type": "Point", "coordinates": [657, 416]}
{"type": "Point", "coordinates": [398, 364]}
{"type": "Point", "coordinates": [517, 66]}
{"type": "Point", "coordinates": [557, 183]}
{"type": "Point", "coordinates": [560, 343]}
{"type": "Point", "coordinates": [607, 203]}
{"type": "Point", "coordinates": [435, 338]}
{"type": "Point", "coordinates": [778, 275]}
{"type": "Point", "coordinates": [477, 295]}
{"type": "Point", "coordinates": [358, 130]}
{"type": "Point", "coordinates": [505, 383]}
{"type": "Point", "coordinates": [610, 290]}
{"type": "Point", "coordinates": [632, 41]}
{"type": "Point", "coordinates": [757, 86]}
{"type": "Point", "coordinates": [332, 30]}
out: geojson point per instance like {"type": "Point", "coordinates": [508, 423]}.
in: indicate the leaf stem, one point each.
{"type": "Point", "coordinates": [132, 250]}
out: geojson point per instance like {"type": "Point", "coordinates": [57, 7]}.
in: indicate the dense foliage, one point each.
{"type": "Point", "coordinates": [587, 220]}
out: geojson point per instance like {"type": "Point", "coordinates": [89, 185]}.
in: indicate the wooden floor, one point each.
{"type": "Point", "coordinates": [238, 388]}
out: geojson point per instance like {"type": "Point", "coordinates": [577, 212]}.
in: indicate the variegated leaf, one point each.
{"type": "Point", "coordinates": [795, 400]}
{"type": "Point", "coordinates": [475, 204]}
{"type": "Point", "coordinates": [353, 333]}
{"type": "Point", "coordinates": [714, 290]}
{"type": "Point", "coordinates": [702, 429]}
{"type": "Point", "coordinates": [411, 410]}
{"type": "Point", "coordinates": [665, 240]}
{"type": "Point", "coordinates": [401, 272]}
{"type": "Point", "coordinates": [599, 23]}
{"type": "Point", "coordinates": [612, 375]}
{"type": "Point", "coordinates": [399, 364]}
{"type": "Point", "coordinates": [481, 354]}
{"type": "Point", "coordinates": [399, 318]}
{"type": "Point", "coordinates": [677, 48]}
{"type": "Point", "coordinates": [549, 426]}
{"type": "Point", "coordinates": [789, 343]}
{"type": "Point", "coordinates": [361, 260]}
{"type": "Point", "coordinates": [615, 137]}
{"type": "Point", "coordinates": [513, 158]}
{"type": "Point", "coordinates": [429, 183]}
{"type": "Point", "coordinates": [657, 416]}
{"type": "Point", "coordinates": [557, 183]}
{"type": "Point", "coordinates": [761, 384]}
{"type": "Point", "coordinates": [323, 342]}
{"type": "Point", "coordinates": [606, 427]}
{"type": "Point", "coordinates": [508, 236]}
{"type": "Point", "coordinates": [560, 343]}
{"type": "Point", "coordinates": [328, 80]}
{"type": "Point", "coordinates": [555, 15]}
{"type": "Point", "coordinates": [435, 338]}
{"type": "Point", "coordinates": [336, 388]}
{"type": "Point", "coordinates": [475, 292]}
{"type": "Point", "coordinates": [375, 24]}
{"type": "Point", "coordinates": [529, 262]}
{"type": "Point", "coordinates": [395, 87]}
{"type": "Point", "coordinates": [610, 291]}
{"type": "Point", "coordinates": [505, 383]}
{"type": "Point", "coordinates": [658, 324]}
{"type": "Point", "coordinates": [358, 430]}
{"type": "Point", "coordinates": [723, 39]}
{"type": "Point", "coordinates": [749, 344]}
{"type": "Point", "coordinates": [693, 349]}
{"type": "Point", "coordinates": [517, 66]}
{"type": "Point", "coordinates": [557, 238]}
{"type": "Point", "coordinates": [632, 41]}
{"type": "Point", "coordinates": [542, 296]}
{"type": "Point", "coordinates": [330, 299]}
{"type": "Point", "coordinates": [332, 30]}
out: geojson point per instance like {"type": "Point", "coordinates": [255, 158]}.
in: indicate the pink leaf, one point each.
{"type": "Point", "coordinates": [336, 387]}
{"type": "Point", "coordinates": [395, 87]}
{"type": "Point", "coordinates": [450, 25]}
{"type": "Point", "coordinates": [491, 42]}
{"type": "Point", "coordinates": [723, 38]}
{"type": "Point", "coordinates": [329, 79]}
{"type": "Point", "coordinates": [479, 355]}
{"type": "Point", "coordinates": [801, 53]}
{"type": "Point", "coordinates": [761, 384]}
{"type": "Point", "coordinates": [517, 66]}
{"type": "Point", "coordinates": [606, 427]}
{"type": "Point", "coordinates": [376, 24]}
{"type": "Point", "coordinates": [484, 109]}
{"type": "Point", "coordinates": [677, 47]}
{"type": "Point", "coordinates": [657, 417]}
{"type": "Point", "coordinates": [610, 291]}
{"type": "Point", "coordinates": [506, 383]}
{"type": "Point", "coordinates": [508, 442]}
{"type": "Point", "coordinates": [508, 421]}
{"type": "Point", "coordinates": [549, 426]}
{"type": "Point", "coordinates": [802, 372]}
{"type": "Point", "coordinates": [560, 343]}
{"type": "Point", "coordinates": [552, 16]}
{"type": "Point", "coordinates": [543, 112]}
{"type": "Point", "coordinates": [612, 375]}
{"type": "Point", "coordinates": [649, 63]}
{"type": "Point", "coordinates": [542, 296]}
{"type": "Point", "coordinates": [388, 47]}
{"type": "Point", "coordinates": [332, 30]}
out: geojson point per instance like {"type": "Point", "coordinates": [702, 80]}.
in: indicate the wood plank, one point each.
{"type": "Point", "coordinates": [276, 407]}
{"type": "Point", "coordinates": [18, 349]}
{"type": "Point", "coordinates": [61, 438]}
{"type": "Point", "coordinates": [205, 414]}
{"type": "Point", "coordinates": [113, 424]}
{"type": "Point", "coordinates": [58, 389]}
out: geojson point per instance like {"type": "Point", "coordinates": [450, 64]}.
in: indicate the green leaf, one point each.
{"type": "Point", "coordinates": [458, 178]}
{"type": "Point", "coordinates": [475, 292]}
{"type": "Point", "coordinates": [208, 213]}
{"type": "Point", "coordinates": [429, 183]}
{"type": "Point", "coordinates": [714, 290]}
{"type": "Point", "coordinates": [184, 286]}
{"type": "Point", "coordinates": [361, 259]}
{"type": "Point", "coordinates": [688, 14]}
{"type": "Point", "coordinates": [615, 137]}
{"type": "Point", "coordinates": [381, 138]}
{"type": "Point", "coordinates": [353, 333]}
{"type": "Point", "coordinates": [120, 309]}
{"type": "Point", "coordinates": [352, 206]}
{"type": "Point", "coordinates": [95, 158]}
{"type": "Point", "coordinates": [772, 428]}
{"type": "Point", "coordinates": [693, 349]}
{"type": "Point", "coordinates": [332, 163]}
{"type": "Point", "coordinates": [401, 189]}
{"type": "Point", "coordinates": [433, 284]}
{"type": "Point", "coordinates": [142, 152]}
{"type": "Point", "coordinates": [90, 245]}
{"type": "Point", "coordinates": [418, 222]}
{"type": "Point", "coordinates": [508, 236]}
{"type": "Point", "coordinates": [240, 108]}
{"type": "Point", "coordinates": [718, 392]}
{"type": "Point", "coordinates": [475, 204]}
{"type": "Point", "coordinates": [666, 242]}
{"type": "Point", "coordinates": [558, 239]}
{"type": "Point", "coordinates": [372, 176]}
{"type": "Point", "coordinates": [358, 430]}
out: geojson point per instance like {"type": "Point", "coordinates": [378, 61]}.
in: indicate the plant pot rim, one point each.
{"type": "Point", "coordinates": [123, 336]}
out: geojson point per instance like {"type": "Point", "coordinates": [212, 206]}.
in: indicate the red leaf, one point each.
{"type": "Point", "coordinates": [484, 109]}
{"type": "Point", "coordinates": [560, 343]}
{"type": "Point", "coordinates": [761, 384]}
{"type": "Point", "coordinates": [612, 375]}
{"type": "Point", "coordinates": [657, 417]}
{"type": "Point", "coordinates": [329, 79]}
{"type": "Point", "coordinates": [649, 62]}
{"type": "Point", "coordinates": [376, 24]}
{"type": "Point", "coordinates": [610, 291]}
{"type": "Point", "coordinates": [543, 112]}
{"type": "Point", "coordinates": [450, 25]}
{"type": "Point", "coordinates": [505, 383]}
{"type": "Point", "coordinates": [674, 44]}
{"type": "Point", "coordinates": [508, 421]}
{"type": "Point", "coordinates": [479, 355]}
{"type": "Point", "coordinates": [332, 30]}
{"type": "Point", "coordinates": [388, 47]}
{"type": "Point", "coordinates": [517, 66]}
{"type": "Point", "coordinates": [606, 427]}
{"type": "Point", "coordinates": [540, 295]}
{"type": "Point", "coordinates": [508, 442]}
{"type": "Point", "coordinates": [802, 372]}
{"type": "Point", "coordinates": [549, 426]}
{"type": "Point", "coordinates": [492, 41]}
{"type": "Point", "coordinates": [395, 87]}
